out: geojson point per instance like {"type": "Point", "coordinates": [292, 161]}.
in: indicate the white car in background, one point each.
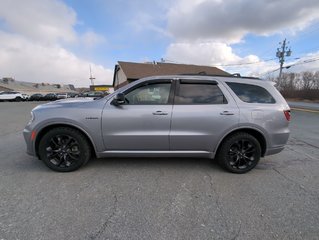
{"type": "Point", "coordinates": [11, 96]}
{"type": "Point", "coordinates": [62, 95]}
{"type": "Point", "coordinates": [25, 97]}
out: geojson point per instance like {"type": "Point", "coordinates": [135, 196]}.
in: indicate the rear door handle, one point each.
{"type": "Point", "coordinates": [160, 113]}
{"type": "Point", "coordinates": [227, 113]}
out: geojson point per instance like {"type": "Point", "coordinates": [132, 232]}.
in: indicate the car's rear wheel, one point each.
{"type": "Point", "coordinates": [64, 149]}
{"type": "Point", "coordinates": [239, 153]}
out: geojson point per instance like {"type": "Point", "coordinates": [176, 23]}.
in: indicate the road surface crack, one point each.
{"type": "Point", "coordinates": [293, 181]}
{"type": "Point", "coordinates": [309, 144]}
{"type": "Point", "coordinates": [238, 232]}
{"type": "Point", "coordinates": [107, 221]}
{"type": "Point", "coordinates": [302, 153]}
{"type": "Point", "coordinates": [217, 202]}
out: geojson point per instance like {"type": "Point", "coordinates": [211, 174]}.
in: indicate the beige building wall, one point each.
{"type": "Point", "coordinates": [120, 78]}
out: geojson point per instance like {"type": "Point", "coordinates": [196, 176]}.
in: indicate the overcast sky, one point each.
{"type": "Point", "coordinates": [56, 41]}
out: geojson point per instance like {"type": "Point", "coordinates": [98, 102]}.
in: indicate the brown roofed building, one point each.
{"type": "Point", "coordinates": [126, 72]}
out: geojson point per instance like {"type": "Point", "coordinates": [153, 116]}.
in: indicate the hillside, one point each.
{"type": "Point", "coordinates": [31, 88]}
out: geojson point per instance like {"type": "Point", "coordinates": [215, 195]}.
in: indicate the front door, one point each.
{"type": "Point", "coordinates": [142, 123]}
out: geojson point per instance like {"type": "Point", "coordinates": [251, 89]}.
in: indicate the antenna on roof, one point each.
{"type": "Point", "coordinates": [91, 77]}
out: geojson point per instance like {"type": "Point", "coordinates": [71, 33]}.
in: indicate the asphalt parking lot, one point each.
{"type": "Point", "coordinates": [159, 198]}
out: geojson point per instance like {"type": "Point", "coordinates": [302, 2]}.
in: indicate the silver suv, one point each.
{"type": "Point", "coordinates": [233, 119]}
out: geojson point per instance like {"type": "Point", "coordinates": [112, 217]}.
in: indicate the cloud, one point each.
{"type": "Point", "coordinates": [148, 21]}
{"type": "Point", "coordinates": [28, 61]}
{"type": "Point", "coordinates": [208, 53]}
{"type": "Point", "coordinates": [33, 39]}
{"type": "Point", "coordinates": [40, 20]}
{"type": "Point", "coordinates": [230, 21]}
{"type": "Point", "coordinates": [217, 54]}
{"type": "Point", "coordinates": [91, 39]}
{"type": "Point", "coordinates": [205, 30]}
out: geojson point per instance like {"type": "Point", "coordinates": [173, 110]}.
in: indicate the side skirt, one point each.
{"type": "Point", "coordinates": [190, 154]}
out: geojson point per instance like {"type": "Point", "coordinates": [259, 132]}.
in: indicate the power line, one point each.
{"type": "Point", "coordinates": [247, 63]}
{"type": "Point", "coordinates": [231, 64]}
{"type": "Point", "coordinates": [304, 62]}
{"type": "Point", "coordinates": [292, 65]}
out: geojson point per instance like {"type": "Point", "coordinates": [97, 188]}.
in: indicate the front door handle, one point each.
{"type": "Point", "coordinates": [227, 113]}
{"type": "Point", "coordinates": [160, 113]}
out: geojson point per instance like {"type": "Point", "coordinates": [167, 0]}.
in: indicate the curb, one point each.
{"type": "Point", "coordinates": [304, 110]}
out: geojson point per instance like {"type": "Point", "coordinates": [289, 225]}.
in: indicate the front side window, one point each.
{"type": "Point", "coordinates": [251, 93]}
{"type": "Point", "coordinates": [156, 93]}
{"type": "Point", "coordinates": [192, 93]}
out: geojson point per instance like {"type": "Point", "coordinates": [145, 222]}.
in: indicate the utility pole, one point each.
{"type": "Point", "coordinates": [281, 53]}
{"type": "Point", "coordinates": [91, 77]}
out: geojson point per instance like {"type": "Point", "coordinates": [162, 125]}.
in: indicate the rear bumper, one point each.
{"type": "Point", "coordinates": [271, 151]}
{"type": "Point", "coordinates": [278, 142]}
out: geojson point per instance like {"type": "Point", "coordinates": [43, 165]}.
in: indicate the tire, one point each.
{"type": "Point", "coordinates": [18, 99]}
{"type": "Point", "coordinates": [239, 153]}
{"type": "Point", "coordinates": [64, 149]}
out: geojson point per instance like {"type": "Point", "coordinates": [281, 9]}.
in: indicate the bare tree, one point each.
{"type": "Point", "coordinates": [303, 85]}
{"type": "Point", "coordinates": [316, 80]}
{"type": "Point", "coordinates": [307, 80]}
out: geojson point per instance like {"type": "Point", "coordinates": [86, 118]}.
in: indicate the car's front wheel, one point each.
{"type": "Point", "coordinates": [18, 99]}
{"type": "Point", "coordinates": [64, 149]}
{"type": "Point", "coordinates": [239, 153]}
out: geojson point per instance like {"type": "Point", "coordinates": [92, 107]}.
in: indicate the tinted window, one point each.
{"type": "Point", "coordinates": [157, 93]}
{"type": "Point", "coordinates": [251, 93]}
{"type": "Point", "coordinates": [192, 93]}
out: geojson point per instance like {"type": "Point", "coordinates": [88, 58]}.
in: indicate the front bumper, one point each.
{"type": "Point", "coordinates": [29, 142]}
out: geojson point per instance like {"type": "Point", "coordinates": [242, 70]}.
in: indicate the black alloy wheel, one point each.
{"type": "Point", "coordinates": [239, 153]}
{"type": "Point", "coordinates": [64, 149]}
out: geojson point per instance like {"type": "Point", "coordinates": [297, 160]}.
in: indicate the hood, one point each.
{"type": "Point", "coordinates": [67, 103]}
{"type": "Point", "coordinates": [72, 100]}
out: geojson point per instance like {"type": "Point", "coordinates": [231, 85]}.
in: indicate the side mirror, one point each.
{"type": "Point", "coordinates": [119, 99]}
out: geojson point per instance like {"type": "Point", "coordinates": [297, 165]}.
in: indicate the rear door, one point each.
{"type": "Point", "coordinates": [203, 112]}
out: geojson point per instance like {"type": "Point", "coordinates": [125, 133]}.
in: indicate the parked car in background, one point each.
{"type": "Point", "coordinates": [233, 119]}
{"type": "Point", "coordinates": [50, 97]}
{"type": "Point", "coordinates": [93, 94]}
{"type": "Point", "coordinates": [36, 97]}
{"type": "Point", "coordinates": [62, 95]}
{"type": "Point", "coordinates": [11, 96]}
{"type": "Point", "coordinates": [72, 95]}
{"type": "Point", "coordinates": [25, 97]}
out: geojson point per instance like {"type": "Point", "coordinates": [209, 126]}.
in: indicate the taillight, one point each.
{"type": "Point", "coordinates": [287, 114]}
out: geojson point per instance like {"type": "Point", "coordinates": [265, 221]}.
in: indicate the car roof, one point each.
{"type": "Point", "coordinates": [234, 78]}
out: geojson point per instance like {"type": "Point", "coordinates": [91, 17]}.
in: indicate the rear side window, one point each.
{"type": "Point", "coordinates": [192, 93]}
{"type": "Point", "coordinates": [251, 93]}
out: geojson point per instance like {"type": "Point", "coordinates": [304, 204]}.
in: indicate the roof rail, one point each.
{"type": "Point", "coordinates": [237, 75]}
